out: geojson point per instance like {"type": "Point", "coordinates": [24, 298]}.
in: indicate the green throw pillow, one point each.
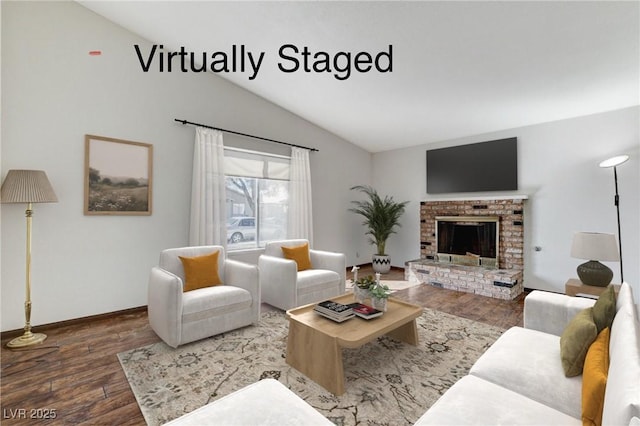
{"type": "Point", "coordinates": [576, 338]}
{"type": "Point", "coordinates": [605, 309]}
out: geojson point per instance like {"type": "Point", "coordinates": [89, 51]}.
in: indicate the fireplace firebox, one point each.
{"type": "Point", "coordinates": [468, 240]}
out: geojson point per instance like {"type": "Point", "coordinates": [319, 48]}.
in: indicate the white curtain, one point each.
{"type": "Point", "coordinates": [300, 220]}
{"type": "Point", "coordinates": [208, 198]}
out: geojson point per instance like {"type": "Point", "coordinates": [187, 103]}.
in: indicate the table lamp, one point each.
{"type": "Point", "coordinates": [594, 246]}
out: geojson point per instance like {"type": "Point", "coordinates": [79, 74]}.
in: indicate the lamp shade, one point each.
{"type": "Point", "coordinates": [595, 246]}
{"type": "Point", "coordinates": [27, 186]}
{"type": "Point", "coordinates": [614, 161]}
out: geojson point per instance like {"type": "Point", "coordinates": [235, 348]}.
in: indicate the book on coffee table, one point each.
{"type": "Point", "coordinates": [334, 307]}
{"type": "Point", "coordinates": [333, 317]}
{"type": "Point", "coordinates": [365, 311]}
{"type": "Point", "coordinates": [333, 310]}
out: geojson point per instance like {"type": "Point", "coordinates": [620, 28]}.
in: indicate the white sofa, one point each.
{"type": "Point", "coordinates": [519, 380]}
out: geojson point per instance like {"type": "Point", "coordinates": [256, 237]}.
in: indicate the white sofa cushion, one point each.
{"type": "Point", "coordinates": [528, 362]}
{"type": "Point", "coordinates": [212, 301]}
{"type": "Point", "coordinates": [474, 401]}
{"type": "Point", "coordinates": [267, 402]}
{"type": "Point", "coordinates": [316, 279]}
{"type": "Point", "coordinates": [622, 394]}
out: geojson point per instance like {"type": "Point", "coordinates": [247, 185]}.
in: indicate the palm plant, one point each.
{"type": "Point", "coordinates": [381, 216]}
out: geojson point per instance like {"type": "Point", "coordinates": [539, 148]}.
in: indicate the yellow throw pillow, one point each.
{"type": "Point", "coordinates": [594, 379]}
{"type": "Point", "coordinates": [300, 254]}
{"type": "Point", "coordinates": [201, 271]}
{"type": "Point", "coordinates": [575, 341]}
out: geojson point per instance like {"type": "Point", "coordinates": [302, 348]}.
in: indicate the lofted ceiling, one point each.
{"type": "Point", "coordinates": [458, 68]}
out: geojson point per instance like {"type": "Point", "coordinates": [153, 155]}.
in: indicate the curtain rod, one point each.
{"type": "Point", "coordinates": [243, 134]}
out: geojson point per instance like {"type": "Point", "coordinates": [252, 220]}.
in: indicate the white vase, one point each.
{"type": "Point", "coordinates": [381, 263]}
{"type": "Point", "coordinates": [360, 294]}
{"type": "Point", "coordinates": [379, 304]}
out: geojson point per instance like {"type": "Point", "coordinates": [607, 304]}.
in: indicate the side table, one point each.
{"type": "Point", "coordinates": [574, 286]}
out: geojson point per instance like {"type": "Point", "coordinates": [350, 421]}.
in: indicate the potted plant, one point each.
{"type": "Point", "coordinates": [361, 288]}
{"type": "Point", "coordinates": [379, 295]}
{"type": "Point", "coordinates": [381, 216]}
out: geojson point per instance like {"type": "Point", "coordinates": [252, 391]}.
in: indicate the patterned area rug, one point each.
{"type": "Point", "coordinates": [386, 381]}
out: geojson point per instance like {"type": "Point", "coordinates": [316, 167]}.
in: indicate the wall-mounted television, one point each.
{"type": "Point", "coordinates": [483, 166]}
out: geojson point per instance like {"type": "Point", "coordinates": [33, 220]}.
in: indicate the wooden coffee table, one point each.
{"type": "Point", "coordinates": [314, 343]}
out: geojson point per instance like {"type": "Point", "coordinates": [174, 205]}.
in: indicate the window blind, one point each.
{"type": "Point", "coordinates": [256, 165]}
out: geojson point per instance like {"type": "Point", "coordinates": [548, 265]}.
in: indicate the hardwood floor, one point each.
{"type": "Point", "coordinates": [501, 313]}
{"type": "Point", "coordinates": [74, 377]}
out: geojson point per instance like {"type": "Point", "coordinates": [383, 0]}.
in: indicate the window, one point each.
{"type": "Point", "coordinates": [257, 187]}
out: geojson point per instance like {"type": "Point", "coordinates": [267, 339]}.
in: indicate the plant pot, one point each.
{"type": "Point", "coordinates": [360, 294]}
{"type": "Point", "coordinates": [381, 263]}
{"type": "Point", "coordinates": [379, 304]}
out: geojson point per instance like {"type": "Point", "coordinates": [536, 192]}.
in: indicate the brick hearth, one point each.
{"type": "Point", "coordinates": [506, 282]}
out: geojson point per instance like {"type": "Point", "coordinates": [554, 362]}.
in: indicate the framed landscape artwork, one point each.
{"type": "Point", "coordinates": [117, 176]}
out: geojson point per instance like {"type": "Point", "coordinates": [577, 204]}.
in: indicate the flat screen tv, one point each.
{"type": "Point", "coordinates": [477, 167]}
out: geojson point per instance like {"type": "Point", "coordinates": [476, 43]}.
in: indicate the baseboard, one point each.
{"type": "Point", "coordinates": [75, 321]}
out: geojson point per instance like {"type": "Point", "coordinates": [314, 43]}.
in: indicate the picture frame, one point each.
{"type": "Point", "coordinates": [118, 177]}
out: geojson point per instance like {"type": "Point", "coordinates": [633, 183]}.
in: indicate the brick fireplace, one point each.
{"type": "Point", "coordinates": [501, 278]}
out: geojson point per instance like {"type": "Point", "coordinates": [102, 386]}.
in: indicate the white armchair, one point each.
{"type": "Point", "coordinates": [284, 287]}
{"type": "Point", "coordinates": [180, 317]}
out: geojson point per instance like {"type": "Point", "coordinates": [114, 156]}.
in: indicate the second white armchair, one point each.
{"type": "Point", "coordinates": [284, 287]}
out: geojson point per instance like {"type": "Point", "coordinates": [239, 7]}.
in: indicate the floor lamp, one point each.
{"type": "Point", "coordinates": [615, 162]}
{"type": "Point", "coordinates": [27, 186]}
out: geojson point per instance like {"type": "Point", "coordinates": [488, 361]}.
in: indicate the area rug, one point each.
{"type": "Point", "coordinates": [387, 382]}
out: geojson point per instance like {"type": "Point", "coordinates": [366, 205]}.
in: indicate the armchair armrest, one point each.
{"type": "Point", "coordinates": [243, 275]}
{"type": "Point", "coordinates": [551, 312]}
{"type": "Point", "coordinates": [278, 279]}
{"type": "Point", "coordinates": [165, 305]}
{"type": "Point", "coordinates": [332, 261]}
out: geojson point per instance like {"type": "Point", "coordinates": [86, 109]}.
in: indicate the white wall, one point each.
{"type": "Point", "coordinates": [53, 93]}
{"type": "Point", "coordinates": [568, 192]}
